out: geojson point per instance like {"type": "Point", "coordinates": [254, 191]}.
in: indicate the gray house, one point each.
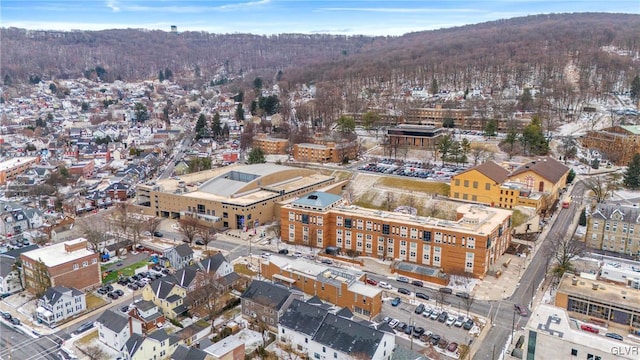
{"type": "Point", "coordinates": [179, 256]}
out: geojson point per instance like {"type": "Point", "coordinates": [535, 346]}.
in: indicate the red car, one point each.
{"type": "Point", "coordinates": [589, 328]}
{"type": "Point", "coordinates": [372, 282]}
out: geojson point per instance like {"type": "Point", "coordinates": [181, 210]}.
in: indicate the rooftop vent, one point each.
{"type": "Point", "coordinates": [594, 286]}
{"type": "Point", "coordinates": [574, 281]}
{"type": "Point", "coordinates": [312, 197]}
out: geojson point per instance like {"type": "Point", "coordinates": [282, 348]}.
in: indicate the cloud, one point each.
{"type": "Point", "coordinates": [113, 5]}
{"type": "Point", "coordinates": [399, 10]}
{"type": "Point", "coordinates": [178, 9]}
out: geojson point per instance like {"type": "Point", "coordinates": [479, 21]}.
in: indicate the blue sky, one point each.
{"type": "Point", "coordinates": [372, 17]}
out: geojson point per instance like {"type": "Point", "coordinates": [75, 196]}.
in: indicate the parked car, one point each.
{"type": "Point", "coordinates": [614, 336]}
{"type": "Point", "coordinates": [417, 283]}
{"type": "Point", "coordinates": [133, 286]}
{"type": "Point", "coordinates": [396, 301]}
{"type": "Point", "coordinates": [402, 279]}
{"type": "Point", "coordinates": [442, 344]}
{"type": "Point", "coordinates": [113, 295]}
{"type": "Point", "coordinates": [404, 291]}
{"type": "Point", "coordinates": [459, 321]}
{"type": "Point", "coordinates": [326, 261]}
{"type": "Point", "coordinates": [589, 328]}
{"type": "Point", "coordinates": [408, 330]}
{"type": "Point", "coordinates": [419, 309]}
{"type": "Point", "coordinates": [401, 326]}
{"type": "Point", "coordinates": [157, 234]}
{"type": "Point", "coordinates": [15, 321]}
{"type": "Point", "coordinates": [102, 291]}
{"type": "Point", "coordinates": [453, 346]}
{"type": "Point", "coordinates": [522, 311]}
{"type": "Point", "coordinates": [468, 324]}
{"type": "Point", "coordinates": [422, 296]}
{"type": "Point", "coordinates": [462, 294]}
{"type": "Point", "coordinates": [443, 317]}
{"type": "Point", "coordinates": [125, 308]}
{"type": "Point", "coordinates": [417, 332]}
{"type": "Point", "coordinates": [84, 327]}
{"type": "Point", "coordinates": [446, 290]}
{"type": "Point", "coordinates": [283, 251]}
{"type": "Point", "coordinates": [434, 315]}
{"type": "Point", "coordinates": [118, 292]}
{"type": "Point", "coordinates": [6, 315]}
{"type": "Point", "coordinates": [450, 321]}
{"type": "Point", "coordinates": [435, 338]}
{"type": "Point", "coordinates": [393, 323]}
{"type": "Point", "coordinates": [384, 285]}
{"type": "Point", "coordinates": [372, 282]}
{"type": "Point", "coordinates": [200, 242]}
{"type": "Point", "coordinates": [427, 312]}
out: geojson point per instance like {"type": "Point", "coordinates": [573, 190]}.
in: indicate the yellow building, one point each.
{"type": "Point", "coordinates": [535, 184]}
{"type": "Point", "coordinates": [169, 297]}
{"type": "Point", "coordinates": [11, 168]}
{"type": "Point", "coordinates": [229, 197]}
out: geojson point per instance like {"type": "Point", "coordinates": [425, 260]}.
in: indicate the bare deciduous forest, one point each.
{"type": "Point", "coordinates": [602, 48]}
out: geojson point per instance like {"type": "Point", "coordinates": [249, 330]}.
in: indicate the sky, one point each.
{"type": "Point", "coordinates": [265, 17]}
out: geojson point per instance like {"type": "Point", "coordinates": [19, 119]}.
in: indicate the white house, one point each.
{"type": "Point", "coordinates": [16, 218]}
{"type": "Point", "coordinates": [157, 345]}
{"type": "Point", "coordinates": [113, 329]}
{"type": "Point", "coordinates": [313, 330]}
{"type": "Point", "coordinates": [9, 276]}
{"type": "Point", "coordinates": [59, 303]}
{"type": "Point", "coordinates": [179, 256]}
{"type": "Point", "coordinates": [217, 264]}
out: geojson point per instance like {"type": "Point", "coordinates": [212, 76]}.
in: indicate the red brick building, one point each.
{"type": "Point", "coordinates": [68, 264]}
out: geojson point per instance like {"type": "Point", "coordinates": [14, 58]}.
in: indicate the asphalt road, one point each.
{"type": "Point", "coordinates": [16, 345]}
{"type": "Point", "coordinates": [502, 312]}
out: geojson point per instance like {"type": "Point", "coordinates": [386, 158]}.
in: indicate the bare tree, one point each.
{"type": "Point", "coordinates": [152, 224]}
{"type": "Point", "coordinates": [468, 302]}
{"type": "Point", "coordinates": [189, 227]}
{"type": "Point", "coordinates": [206, 295]}
{"type": "Point", "coordinates": [440, 298]}
{"type": "Point", "coordinates": [563, 251]}
{"type": "Point", "coordinates": [207, 235]}
{"type": "Point", "coordinates": [389, 201]}
{"type": "Point", "coordinates": [41, 280]}
{"type": "Point", "coordinates": [481, 153]}
{"type": "Point", "coordinates": [602, 187]}
{"type": "Point", "coordinates": [95, 352]}
{"type": "Point", "coordinates": [94, 232]}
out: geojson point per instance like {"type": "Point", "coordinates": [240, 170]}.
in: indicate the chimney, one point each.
{"type": "Point", "coordinates": [594, 286]}
{"type": "Point", "coordinates": [574, 281]}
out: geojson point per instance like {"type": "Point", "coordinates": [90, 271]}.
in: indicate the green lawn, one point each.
{"type": "Point", "coordinates": [125, 271]}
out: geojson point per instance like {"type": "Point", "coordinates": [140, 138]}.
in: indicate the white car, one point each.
{"type": "Point", "coordinates": [393, 323]}
{"type": "Point", "coordinates": [450, 321]}
{"type": "Point", "coordinates": [384, 285]}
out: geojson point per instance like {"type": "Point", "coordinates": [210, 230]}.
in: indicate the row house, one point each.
{"type": "Point", "coordinates": [613, 228]}
{"type": "Point", "coordinates": [16, 218]}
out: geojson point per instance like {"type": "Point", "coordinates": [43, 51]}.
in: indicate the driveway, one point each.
{"type": "Point", "coordinates": [130, 259]}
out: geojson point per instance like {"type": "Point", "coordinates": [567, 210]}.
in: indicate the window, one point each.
{"type": "Point", "coordinates": [466, 183]}
{"type": "Point", "coordinates": [316, 355]}
{"type": "Point", "coordinates": [75, 266]}
{"type": "Point", "coordinates": [457, 182]}
{"type": "Point", "coordinates": [305, 218]}
{"type": "Point", "coordinates": [93, 261]}
{"type": "Point", "coordinates": [426, 236]}
{"type": "Point", "coordinates": [85, 263]}
{"type": "Point", "coordinates": [487, 186]}
{"type": "Point", "coordinates": [385, 229]}
{"type": "Point", "coordinates": [306, 340]}
{"type": "Point", "coordinates": [347, 223]}
{"type": "Point", "coordinates": [475, 184]}
{"type": "Point", "coordinates": [574, 352]}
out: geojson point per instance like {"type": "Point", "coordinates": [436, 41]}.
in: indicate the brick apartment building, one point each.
{"type": "Point", "coordinates": [329, 151]}
{"type": "Point", "coordinates": [69, 264]}
{"type": "Point", "coordinates": [468, 245]}
{"type": "Point", "coordinates": [11, 168]}
{"type": "Point", "coordinates": [83, 169]}
{"type": "Point", "coordinates": [269, 145]}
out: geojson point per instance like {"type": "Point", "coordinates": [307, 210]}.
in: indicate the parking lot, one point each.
{"type": "Point", "coordinates": [405, 312]}
{"type": "Point", "coordinates": [415, 169]}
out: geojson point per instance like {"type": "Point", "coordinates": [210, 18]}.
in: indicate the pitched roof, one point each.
{"type": "Point", "coordinates": [303, 317]}
{"type": "Point", "coordinates": [184, 250]}
{"type": "Point", "coordinates": [184, 277]}
{"type": "Point", "coordinates": [547, 167]}
{"type": "Point", "coordinates": [626, 214]}
{"type": "Point", "coordinates": [133, 344]}
{"type": "Point", "coordinates": [184, 353]}
{"type": "Point", "coordinates": [161, 335]}
{"type": "Point", "coordinates": [212, 263]}
{"type": "Point", "coordinates": [161, 288]}
{"type": "Point", "coordinates": [491, 170]}
{"type": "Point", "coordinates": [347, 336]}
{"type": "Point", "coordinates": [6, 265]}
{"type": "Point", "coordinates": [113, 321]}
{"type": "Point", "coordinates": [266, 294]}
{"type": "Point", "coordinates": [345, 313]}
{"type": "Point", "coordinates": [53, 294]}
{"type": "Point", "coordinates": [318, 199]}
{"type": "Point", "coordinates": [145, 305]}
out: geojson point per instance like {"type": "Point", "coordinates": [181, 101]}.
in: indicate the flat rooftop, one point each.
{"type": "Point", "coordinates": [13, 162]}
{"type": "Point", "coordinates": [606, 292]}
{"type": "Point", "coordinates": [555, 321]}
{"type": "Point", "coordinates": [477, 219]}
{"type": "Point", "coordinates": [56, 254]}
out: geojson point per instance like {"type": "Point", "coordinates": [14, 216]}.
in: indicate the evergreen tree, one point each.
{"type": "Point", "coordinates": [239, 113]}
{"type": "Point", "coordinates": [141, 112]}
{"type": "Point", "coordinates": [256, 156]}
{"type": "Point", "coordinates": [168, 74]}
{"type": "Point", "coordinates": [445, 147]}
{"type": "Point", "coordinates": [632, 175]}
{"type": "Point", "coordinates": [216, 126]}
{"type": "Point", "coordinates": [571, 176]}
{"type": "Point", "coordinates": [583, 218]}
{"type": "Point", "coordinates": [201, 124]}
{"type": "Point", "coordinates": [161, 76]}
{"type": "Point", "coordinates": [635, 87]}
{"type": "Point", "coordinates": [491, 129]}
{"type": "Point", "coordinates": [434, 86]}
{"type": "Point", "coordinates": [257, 84]}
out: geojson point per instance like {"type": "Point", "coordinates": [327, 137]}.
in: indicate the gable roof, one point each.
{"type": "Point", "coordinates": [113, 321]}
{"type": "Point", "coordinates": [161, 288]}
{"type": "Point", "coordinates": [547, 167]}
{"type": "Point", "coordinates": [183, 250]}
{"type": "Point", "coordinates": [266, 294]}
{"type": "Point", "coordinates": [348, 337]}
{"type": "Point", "coordinates": [318, 199]}
{"type": "Point", "coordinates": [6, 265]}
{"type": "Point", "coordinates": [133, 344]}
{"type": "Point", "coordinates": [212, 263]}
{"type": "Point", "coordinates": [303, 317]}
{"type": "Point", "coordinates": [53, 294]}
{"type": "Point", "coordinates": [345, 313]}
{"type": "Point", "coordinates": [161, 335]}
{"type": "Point", "coordinates": [491, 170]}
{"type": "Point", "coordinates": [184, 277]}
{"type": "Point", "coordinates": [626, 214]}
{"type": "Point", "coordinates": [184, 353]}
